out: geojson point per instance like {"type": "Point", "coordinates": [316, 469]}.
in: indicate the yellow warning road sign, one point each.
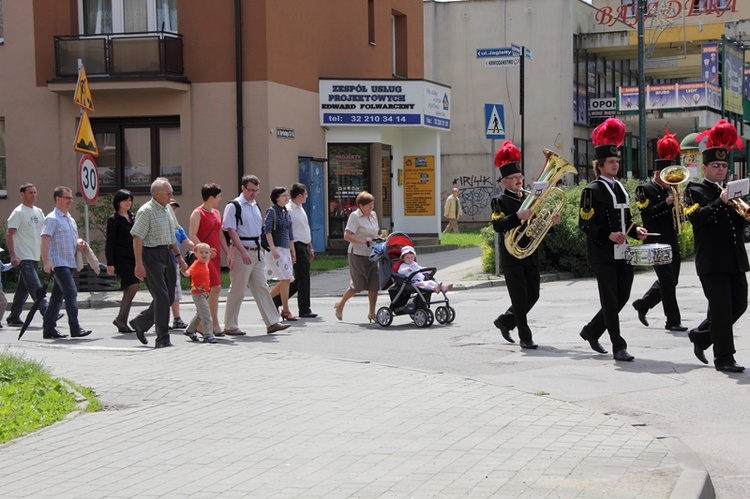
{"type": "Point", "coordinates": [82, 96]}
{"type": "Point", "coordinates": [85, 141]}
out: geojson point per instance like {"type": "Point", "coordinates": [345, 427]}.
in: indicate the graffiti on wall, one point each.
{"type": "Point", "coordinates": [475, 192]}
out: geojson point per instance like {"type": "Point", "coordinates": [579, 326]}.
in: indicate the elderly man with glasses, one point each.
{"type": "Point", "coordinates": [154, 246]}
{"type": "Point", "coordinates": [720, 255]}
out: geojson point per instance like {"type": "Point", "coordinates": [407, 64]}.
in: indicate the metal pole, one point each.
{"type": "Point", "coordinates": [642, 156]}
{"type": "Point", "coordinates": [495, 193]}
{"type": "Point", "coordinates": [520, 107]}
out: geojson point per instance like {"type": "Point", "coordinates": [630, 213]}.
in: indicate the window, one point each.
{"type": "Point", "coordinates": [370, 21]}
{"type": "Point", "coordinates": [134, 151]}
{"type": "Point", "coordinates": [630, 7]}
{"type": "Point", "coordinates": [127, 16]}
{"type": "Point", "coordinates": [2, 38]}
{"type": "Point", "coordinates": [398, 36]}
{"type": "Point", "coordinates": [3, 177]}
{"type": "Point", "coordinates": [711, 5]}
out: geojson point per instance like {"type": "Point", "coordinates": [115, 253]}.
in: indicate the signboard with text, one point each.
{"type": "Point", "coordinates": [672, 96]}
{"type": "Point", "coordinates": [384, 103]}
{"type": "Point", "coordinates": [419, 186]}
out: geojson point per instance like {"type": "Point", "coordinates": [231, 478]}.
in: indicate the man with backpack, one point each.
{"type": "Point", "coordinates": [243, 224]}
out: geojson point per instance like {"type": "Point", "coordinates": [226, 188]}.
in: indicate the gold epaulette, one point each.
{"type": "Point", "coordinates": [689, 211]}
{"type": "Point", "coordinates": [642, 204]}
{"type": "Point", "coordinates": [497, 216]}
{"type": "Point", "coordinates": [586, 214]}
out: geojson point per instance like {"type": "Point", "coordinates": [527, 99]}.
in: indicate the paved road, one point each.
{"type": "Point", "coordinates": [349, 409]}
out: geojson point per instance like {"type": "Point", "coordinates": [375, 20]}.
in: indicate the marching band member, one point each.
{"type": "Point", "coordinates": [521, 275]}
{"type": "Point", "coordinates": [720, 255]}
{"type": "Point", "coordinates": [605, 218]}
{"type": "Point", "coordinates": [656, 201]}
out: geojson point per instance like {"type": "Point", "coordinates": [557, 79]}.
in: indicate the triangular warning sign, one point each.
{"type": "Point", "coordinates": [82, 96]}
{"type": "Point", "coordinates": [495, 124]}
{"type": "Point", "coordinates": [85, 141]}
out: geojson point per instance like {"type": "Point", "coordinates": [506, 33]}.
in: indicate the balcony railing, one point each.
{"type": "Point", "coordinates": [149, 54]}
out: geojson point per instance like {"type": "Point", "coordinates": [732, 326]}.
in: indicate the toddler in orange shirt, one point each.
{"type": "Point", "coordinates": [200, 285]}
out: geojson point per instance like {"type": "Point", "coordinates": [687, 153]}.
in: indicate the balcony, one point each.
{"type": "Point", "coordinates": [120, 56]}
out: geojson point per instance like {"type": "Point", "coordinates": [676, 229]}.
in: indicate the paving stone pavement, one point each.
{"type": "Point", "coordinates": [289, 425]}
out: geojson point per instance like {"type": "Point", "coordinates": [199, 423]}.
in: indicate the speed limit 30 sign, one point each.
{"type": "Point", "coordinates": [88, 176]}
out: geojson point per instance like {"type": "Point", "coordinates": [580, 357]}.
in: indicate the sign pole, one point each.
{"type": "Point", "coordinates": [520, 109]}
{"type": "Point", "coordinates": [86, 233]}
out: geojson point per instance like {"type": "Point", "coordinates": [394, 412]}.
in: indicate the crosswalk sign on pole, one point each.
{"type": "Point", "coordinates": [85, 141]}
{"type": "Point", "coordinates": [82, 97]}
{"type": "Point", "coordinates": [494, 120]}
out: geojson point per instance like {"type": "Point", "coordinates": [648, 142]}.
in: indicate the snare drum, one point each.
{"type": "Point", "coordinates": [649, 254]}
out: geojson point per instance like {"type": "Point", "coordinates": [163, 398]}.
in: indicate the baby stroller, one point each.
{"type": "Point", "coordinates": [406, 298]}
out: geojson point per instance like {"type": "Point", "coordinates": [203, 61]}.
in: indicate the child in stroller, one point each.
{"type": "Point", "coordinates": [410, 292]}
{"type": "Point", "coordinates": [410, 267]}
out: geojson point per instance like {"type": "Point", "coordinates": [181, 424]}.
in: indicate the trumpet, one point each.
{"type": "Point", "coordinates": [741, 206]}
{"type": "Point", "coordinates": [675, 176]}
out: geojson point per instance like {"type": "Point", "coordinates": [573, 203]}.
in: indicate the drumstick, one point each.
{"type": "Point", "coordinates": [653, 233]}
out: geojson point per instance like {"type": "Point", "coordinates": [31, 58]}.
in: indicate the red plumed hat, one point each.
{"type": "Point", "coordinates": [720, 139]}
{"type": "Point", "coordinates": [607, 138]}
{"type": "Point", "coordinates": [668, 151]}
{"type": "Point", "coordinates": [507, 158]}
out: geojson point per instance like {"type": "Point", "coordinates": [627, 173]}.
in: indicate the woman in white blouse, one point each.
{"type": "Point", "coordinates": [361, 228]}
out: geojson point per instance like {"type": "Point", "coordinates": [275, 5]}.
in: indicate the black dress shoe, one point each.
{"type": "Point", "coordinates": [676, 327]}
{"type": "Point", "coordinates": [503, 330]}
{"type": "Point", "coordinates": [122, 327]}
{"type": "Point", "coordinates": [53, 335]}
{"type": "Point", "coordinates": [698, 351]}
{"type": "Point", "coordinates": [641, 315]}
{"type": "Point", "coordinates": [80, 333]}
{"type": "Point", "coordinates": [594, 344]}
{"type": "Point", "coordinates": [161, 345]}
{"type": "Point", "coordinates": [307, 315]}
{"type": "Point", "coordinates": [139, 332]}
{"type": "Point", "coordinates": [14, 322]}
{"type": "Point", "coordinates": [528, 344]}
{"type": "Point", "coordinates": [623, 355]}
{"type": "Point", "coordinates": [731, 368]}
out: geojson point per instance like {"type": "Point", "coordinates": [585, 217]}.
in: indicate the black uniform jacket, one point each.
{"type": "Point", "coordinates": [718, 230]}
{"type": "Point", "coordinates": [657, 215]}
{"type": "Point", "coordinates": [598, 218]}
{"type": "Point", "coordinates": [505, 218]}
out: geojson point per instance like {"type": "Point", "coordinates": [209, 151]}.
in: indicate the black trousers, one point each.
{"type": "Point", "coordinates": [523, 287]}
{"type": "Point", "coordinates": [301, 284]}
{"type": "Point", "coordinates": [664, 291]}
{"type": "Point", "coordinates": [727, 301]}
{"type": "Point", "coordinates": [161, 278]}
{"type": "Point", "coordinates": [614, 281]}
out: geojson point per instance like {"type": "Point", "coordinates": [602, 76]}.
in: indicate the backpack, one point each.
{"type": "Point", "coordinates": [238, 221]}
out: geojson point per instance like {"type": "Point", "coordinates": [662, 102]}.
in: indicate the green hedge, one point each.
{"type": "Point", "coordinates": [564, 247]}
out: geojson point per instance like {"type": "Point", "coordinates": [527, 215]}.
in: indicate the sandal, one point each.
{"type": "Point", "coordinates": [372, 317]}
{"type": "Point", "coordinates": [287, 316]}
{"type": "Point", "coordinates": [339, 311]}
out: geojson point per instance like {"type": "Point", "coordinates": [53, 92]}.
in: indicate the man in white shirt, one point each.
{"type": "Point", "coordinates": [303, 249]}
{"type": "Point", "coordinates": [244, 259]}
{"type": "Point", "coordinates": [24, 240]}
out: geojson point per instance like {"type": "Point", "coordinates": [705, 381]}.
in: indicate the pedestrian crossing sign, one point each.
{"type": "Point", "coordinates": [494, 120]}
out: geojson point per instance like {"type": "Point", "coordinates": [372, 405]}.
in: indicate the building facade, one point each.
{"type": "Point", "coordinates": [580, 58]}
{"type": "Point", "coordinates": [202, 92]}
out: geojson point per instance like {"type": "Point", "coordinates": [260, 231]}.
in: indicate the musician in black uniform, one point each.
{"type": "Point", "coordinates": [655, 200]}
{"type": "Point", "coordinates": [605, 218]}
{"type": "Point", "coordinates": [521, 275]}
{"type": "Point", "coordinates": [720, 255]}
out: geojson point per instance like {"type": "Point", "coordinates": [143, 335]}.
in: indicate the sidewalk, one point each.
{"type": "Point", "coordinates": [252, 422]}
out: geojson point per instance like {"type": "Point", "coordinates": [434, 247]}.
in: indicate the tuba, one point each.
{"type": "Point", "coordinates": [523, 241]}
{"type": "Point", "coordinates": [675, 176]}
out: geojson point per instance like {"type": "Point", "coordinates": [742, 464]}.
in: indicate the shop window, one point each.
{"type": "Point", "coordinates": [127, 16]}
{"type": "Point", "coordinates": [133, 152]}
{"type": "Point", "coordinates": [3, 177]}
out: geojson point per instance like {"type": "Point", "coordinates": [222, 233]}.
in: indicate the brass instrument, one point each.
{"type": "Point", "coordinates": [741, 206]}
{"type": "Point", "coordinates": [675, 176]}
{"type": "Point", "coordinates": [522, 241]}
